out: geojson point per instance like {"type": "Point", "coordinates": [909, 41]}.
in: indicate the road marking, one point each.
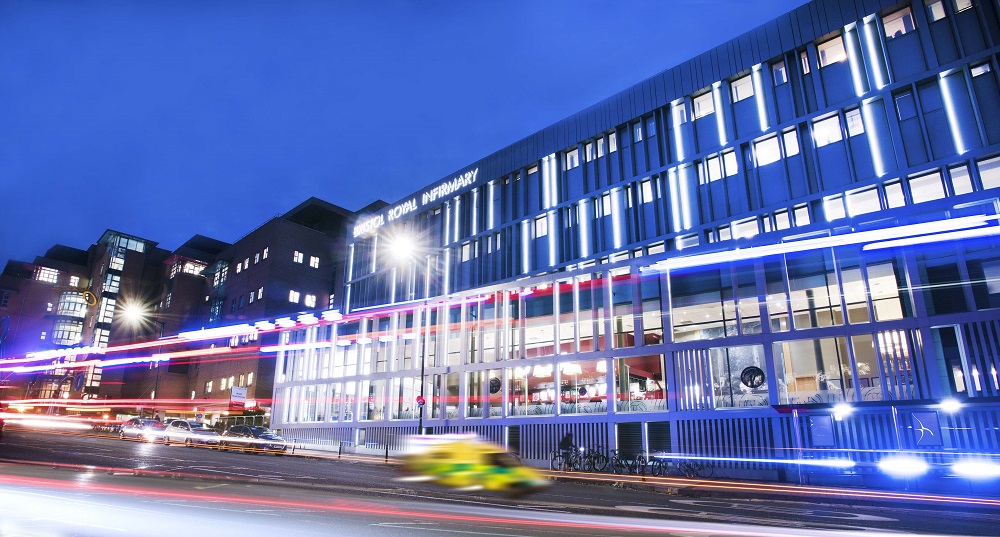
{"type": "Point", "coordinates": [772, 508]}
{"type": "Point", "coordinates": [211, 486]}
{"type": "Point", "coordinates": [399, 525]}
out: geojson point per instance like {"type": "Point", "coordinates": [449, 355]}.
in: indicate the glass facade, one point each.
{"type": "Point", "coordinates": [821, 229]}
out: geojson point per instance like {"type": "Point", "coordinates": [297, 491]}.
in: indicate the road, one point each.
{"type": "Point", "coordinates": [57, 484]}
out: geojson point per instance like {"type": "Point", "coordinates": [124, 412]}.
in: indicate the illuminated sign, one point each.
{"type": "Point", "coordinates": [369, 224]}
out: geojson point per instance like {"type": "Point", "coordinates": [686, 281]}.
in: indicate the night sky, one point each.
{"type": "Point", "coordinates": [165, 119]}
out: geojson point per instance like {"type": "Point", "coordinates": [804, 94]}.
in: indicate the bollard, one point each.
{"type": "Point", "coordinates": [387, 453]}
{"type": "Point", "coordinates": [340, 449]}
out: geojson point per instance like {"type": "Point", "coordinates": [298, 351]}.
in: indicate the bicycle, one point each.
{"type": "Point", "coordinates": [567, 462]}
{"type": "Point", "coordinates": [594, 460]}
{"type": "Point", "coordinates": [687, 468]}
{"type": "Point", "coordinates": [633, 465]}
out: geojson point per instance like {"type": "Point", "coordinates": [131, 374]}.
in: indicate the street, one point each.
{"type": "Point", "coordinates": [105, 486]}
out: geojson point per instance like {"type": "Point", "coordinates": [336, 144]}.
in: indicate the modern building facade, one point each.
{"type": "Point", "coordinates": [707, 263]}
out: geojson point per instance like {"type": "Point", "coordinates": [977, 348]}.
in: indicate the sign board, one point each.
{"type": "Point", "coordinates": [237, 398]}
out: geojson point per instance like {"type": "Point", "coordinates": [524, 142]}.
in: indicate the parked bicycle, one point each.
{"type": "Point", "coordinates": [688, 468]}
{"type": "Point", "coordinates": [566, 461]}
{"type": "Point", "coordinates": [628, 465]}
{"type": "Point", "coordinates": [594, 459]}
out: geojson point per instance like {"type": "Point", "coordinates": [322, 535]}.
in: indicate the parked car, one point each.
{"type": "Point", "coordinates": [191, 433]}
{"type": "Point", "coordinates": [146, 429]}
{"type": "Point", "coordinates": [253, 438]}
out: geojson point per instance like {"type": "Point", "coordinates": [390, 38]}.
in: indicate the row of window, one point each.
{"type": "Point", "coordinates": [227, 383]}
{"type": "Point", "coordinates": [241, 266]}
{"type": "Point", "coordinates": [238, 303]}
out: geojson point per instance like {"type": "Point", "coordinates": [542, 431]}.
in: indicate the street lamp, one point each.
{"type": "Point", "coordinates": [403, 249]}
{"type": "Point", "coordinates": [138, 317]}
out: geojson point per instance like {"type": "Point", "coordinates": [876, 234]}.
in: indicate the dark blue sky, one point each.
{"type": "Point", "coordinates": [164, 119]}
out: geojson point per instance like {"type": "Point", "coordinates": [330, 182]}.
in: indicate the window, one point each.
{"type": "Point", "coordinates": [650, 127]}
{"type": "Point", "coordinates": [854, 124]}
{"type": "Point", "coordinates": [256, 258]}
{"type": "Point", "coordinates": [49, 307]}
{"type": "Point", "coordinates": [298, 257]}
{"type": "Point", "coordinates": [646, 191]}
{"type": "Point", "coordinates": [310, 301]}
{"type": "Point", "coordinates": [680, 113]}
{"type": "Point", "coordinates": [637, 131]}
{"type": "Point", "coordinates": [894, 194]}
{"type": "Point", "coordinates": [745, 229]}
{"type": "Point", "coordinates": [239, 267]}
{"type": "Point", "coordinates": [962, 5]}
{"type": "Point", "coordinates": [260, 293]}
{"type": "Point", "coordinates": [112, 282]}
{"type": "Point", "coordinates": [791, 140]}
{"type": "Point", "coordinates": [961, 181]}
{"type": "Point", "coordinates": [704, 105]}
{"type": "Point", "coordinates": [863, 202]}
{"type": "Point", "coordinates": [572, 159]}
{"type": "Point", "coordinates": [600, 147]}
{"type": "Point", "coordinates": [779, 73]}
{"type": "Point", "coordinates": [313, 261]}
{"type": "Point", "coordinates": [265, 253]}
{"type": "Point", "coordinates": [782, 220]}
{"type": "Point", "coordinates": [981, 69]}
{"type": "Point", "coordinates": [246, 263]}
{"type": "Point", "coordinates": [252, 296]}
{"type": "Point", "coordinates": [833, 207]}
{"type": "Point", "coordinates": [713, 168]}
{"type": "Point", "coordinates": [208, 387]}
{"type": "Point", "coordinates": [935, 10]}
{"type": "Point", "coordinates": [4, 298]}
{"type": "Point", "coordinates": [43, 335]}
{"type": "Point", "coordinates": [541, 227]}
{"type": "Point", "coordinates": [827, 131]}
{"type": "Point", "coordinates": [898, 23]}
{"type": "Point", "coordinates": [250, 378]}
{"type": "Point", "coordinates": [767, 151]}
{"type": "Point", "coordinates": [801, 214]}
{"type": "Point", "coordinates": [926, 187]}
{"type": "Point", "coordinates": [989, 172]}
{"type": "Point", "coordinates": [293, 296]}
{"type": "Point", "coordinates": [588, 151]}
{"type": "Point", "coordinates": [729, 163]}
{"type": "Point", "coordinates": [804, 57]}
{"type": "Point", "coordinates": [605, 205]}
{"type": "Point", "coordinates": [45, 274]}
{"type": "Point", "coordinates": [742, 88]}
{"type": "Point", "coordinates": [74, 281]}
{"type": "Point", "coordinates": [612, 142]}
{"type": "Point", "coordinates": [831, 52]}
{"type": "Point", "coordinates": [170, 297]}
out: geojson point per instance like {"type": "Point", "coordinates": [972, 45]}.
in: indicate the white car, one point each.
{"type": "Point", "coordinates": [191, 433]}
{"type": "Point", "coordinates": [145, 429]}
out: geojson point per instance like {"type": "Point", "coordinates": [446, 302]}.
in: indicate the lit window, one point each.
{"type": "Point", "coordinates": [170, 297]}
{"type": "Point", "coordinates": [801, 214]}
{"type": "Point", "coordinates": [703, 105]}
{"type": "Point", "coordinates": [713, 168]}
{"type": "Point", "coordinates": [541, 227]}
{"type": "Point", "coordinates": [767, 151]}
{"type": "Point", "coordinates": [588, 151]}
{"type": "Point", "coordinates": [600, 147]}
{"type": "Point", "coordinates": [298, 257]}
{"type": "Point", "coordinates": [791, 140]}
{"type": "Point", "coordinates": [646, 190]}
{"type": "Point", "coordinates": [43, 335]}
{"type": "Point", "coordinates": [231, 381]}
{"type": "Point", "coordinates": [833, 207]}
{"type": "Point", "coordinates": [804, 57]}
{"type": "Point", "coordinates": [250, 378]}
{"type": "Point", "coordinates": [863, 202]}
{"type": "Point", "coordinates": [827, 131]}
{"type": "Point", "coordinates": [265, 253]}
{"type": "Point", "coordinates": [246, 263]}
{"type": "Point", "coordinates": [779, 73]}
{"type": "Point", "coordinates": [572, 159]}
{"type": "Point", "coordinates": [962, 5]}
{"type": "Point", "coordinates": [256, 258]}
{"type": "Point", "coordinates": [239, 267]}
{"type": "Point", "coordinates": [831, 52]}
{"type": "Point", "coordinates": [742, 88]}
{"type": "Point", "coordinates": [74, 281]}
{"type": "Point", "coordinates": [310, 301]}
{"type": "Point", "coordinates": [725, 233]}
{"type": "Point", "coordinates": [935, 10]}
{"type": "Point", "coordinates": [252, 296]}
{"type": "Point", "coordinates": [208, 387]}
{"type": "Point", "coordinates": [894, 194]}
{"type": "Point", "coordinates": [926, 187]}
{"type": "Point", "coordinates": [243, 379]}
{"type": "Point", "coordinates": [687, 241]}
{"type": "Point", "coordinates": [745, 229]}
{"type": "Point", "coordinates": [313, 261]}
{"type": "Point", "coordinates": [650, 127]}
{"type": "Point", "coordinates": [293, 296]}
{"type": "Point", "coordinates": [606, 204]}
{"type": "Point", "coordinates": [854, 124]}
{"type": "Point", "coordinates": [466, 252]}
{"type": "Point", "coordinates": [260, 293]}
{"type": "Point", "coordinates": [48, 307]}
{"type": "Point", "coordinates": [781, 220]}
{"type": "Point", "coordinates": [729, 163]}
{"type": "Point", "coordinates": [45, 274]}
{"type": "Point", "coordinates": [989, 172]}
{"type": "Point", "coordinates": [981, 69]}
{"type": "Point", "coordinates": [222, 383]}
{"type": "Point", "coordinates": [637, 130]}
{"type": "Point", "coordinates": [680, 113]}
{"type": "Point", "coordinates": [961, 181]}
{"type": "Point", "coordinates": [898, 23]}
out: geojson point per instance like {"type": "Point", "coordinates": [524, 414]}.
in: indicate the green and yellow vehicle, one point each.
{"type": "Point", "coordinates": [466, 462]}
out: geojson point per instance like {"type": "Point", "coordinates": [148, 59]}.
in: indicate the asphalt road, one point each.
{"type": "Point", "coordinates": [57, 484]}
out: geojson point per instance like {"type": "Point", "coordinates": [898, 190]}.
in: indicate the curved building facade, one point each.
{"type": "Point", "coordinates": [782, 248]}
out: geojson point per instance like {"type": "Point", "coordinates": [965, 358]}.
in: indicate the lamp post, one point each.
{"type": "Point", "coordinates": [404, 250]}
{"type": "Point", "coordinates": [138, 317]}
